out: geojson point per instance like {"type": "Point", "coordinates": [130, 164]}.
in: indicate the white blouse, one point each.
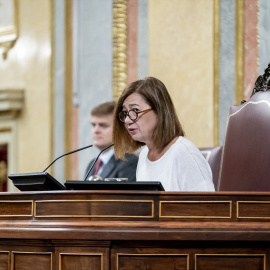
{"type": "Point", "coordinates": [181, 168]}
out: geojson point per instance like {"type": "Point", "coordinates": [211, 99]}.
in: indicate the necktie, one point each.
{"type": "Point", "coordinates": [98, 165]}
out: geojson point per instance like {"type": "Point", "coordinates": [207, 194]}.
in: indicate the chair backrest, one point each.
{"type": "Point", "coordinates": [245, 162]}
{"type": "Point", "coordinates": [213, 156]}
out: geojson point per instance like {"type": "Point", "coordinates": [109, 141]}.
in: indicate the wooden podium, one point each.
{"type": "Point", "coordinates": [128, 230]}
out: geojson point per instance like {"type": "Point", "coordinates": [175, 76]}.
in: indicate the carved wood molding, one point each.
{"type": "Point", "coordinates": [119, 46]}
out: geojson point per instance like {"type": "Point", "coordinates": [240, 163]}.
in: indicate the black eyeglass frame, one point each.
{"type": "Point", "coordinates": [133, 110]}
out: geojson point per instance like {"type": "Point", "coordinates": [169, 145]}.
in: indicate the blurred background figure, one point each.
{"type": "Point", "coordinates": [107, 166]}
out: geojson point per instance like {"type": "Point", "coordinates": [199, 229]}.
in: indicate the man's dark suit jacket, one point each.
{"type": "Point", "coordinates": [118, 168]}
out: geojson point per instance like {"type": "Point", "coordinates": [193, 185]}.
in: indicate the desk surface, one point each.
{"type": "Point", "coordinates": [128, 230]}
{"type": "Point", "coordinates": [136, 214]}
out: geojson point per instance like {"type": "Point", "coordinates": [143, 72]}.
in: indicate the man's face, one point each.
{"type": "Point", "coordinates": [102, 126]}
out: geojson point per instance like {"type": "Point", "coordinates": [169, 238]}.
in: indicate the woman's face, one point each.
{"type": "Point", "coordinates": [142, 128]}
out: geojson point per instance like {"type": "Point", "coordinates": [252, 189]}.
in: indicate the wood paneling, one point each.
{"type": "Point", "coordinates": [94, 208]}
{"type": "Point", "coordinates": [230, 261]}
{"type": "Point", "coordinates": [151, 261]}
{"type": "Point", "coordinates": [4, 260]}
{"type": "Point", "coordinates": [195, 209]}
{"type": "Point", "coordinates": [16, 208]}
{"type": "Point", "coordinates": [79, 255]}
{"type": "Point", "coordinates": [259, 209]}
{"type": "Point", "coordinates": [134, 230]}
{"type": "Point", "coordinates": [81, 261]}
{"type": "Point", "coordinates": [31, 260]}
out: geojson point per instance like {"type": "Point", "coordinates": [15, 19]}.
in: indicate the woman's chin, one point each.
{"type": "Point", "coordinates": [135, 137]}
{"type": "Point", "coordinates": [138, 139]}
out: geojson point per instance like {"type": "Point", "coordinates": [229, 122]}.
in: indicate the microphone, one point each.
{"type": "Point", "coordinates": [40, 180]}
{"type": "Point", "coordinates": [74, 151]}
{"type": "Point", "coordinates": [94, 163]}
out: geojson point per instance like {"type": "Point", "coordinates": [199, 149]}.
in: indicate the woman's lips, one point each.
{"type": "Point", "coordinates": [132, 131]}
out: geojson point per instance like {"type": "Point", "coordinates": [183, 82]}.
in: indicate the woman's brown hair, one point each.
{"type": "Point", "coordinates": [168, 127]}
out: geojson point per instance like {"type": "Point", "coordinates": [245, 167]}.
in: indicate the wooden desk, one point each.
{"type": "Point", "coordinates": [131, 230]}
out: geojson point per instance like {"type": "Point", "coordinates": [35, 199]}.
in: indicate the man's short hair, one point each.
{"type": "Point", "coordinates": [103, 109]}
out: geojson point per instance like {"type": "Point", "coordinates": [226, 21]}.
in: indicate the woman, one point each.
{"type": "Point", "coordinates": [145, 115]}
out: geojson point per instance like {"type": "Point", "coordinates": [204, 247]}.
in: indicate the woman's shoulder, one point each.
{"type": "Point", "coordinates": [183, 145]}
{"type": "Point", "coordinates": [183, 142]}
{"type": "Point", "coordinates": [143, 151]}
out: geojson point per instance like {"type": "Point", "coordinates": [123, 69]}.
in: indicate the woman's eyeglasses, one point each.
{"type": "Point", "coordinates": [132, 114]}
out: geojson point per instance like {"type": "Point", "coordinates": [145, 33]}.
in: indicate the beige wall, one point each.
{"type": "Point", "coordinates": [181, 55]}
{"type": "Point", "coordinates": [28, 66]}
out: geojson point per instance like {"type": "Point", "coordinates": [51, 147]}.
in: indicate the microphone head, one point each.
{"type": "Point", "coordinates": [95, 178]}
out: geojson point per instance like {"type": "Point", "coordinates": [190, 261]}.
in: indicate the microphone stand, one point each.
{"type": "Point", "coordinates": [68, 154]}
{"type": "Point", "coordinates": [94, 163]}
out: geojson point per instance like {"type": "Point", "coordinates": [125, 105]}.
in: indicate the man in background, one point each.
{"type": "Point", "coordinates": [107, 166]}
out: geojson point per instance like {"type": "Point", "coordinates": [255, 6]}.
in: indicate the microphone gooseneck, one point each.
{"type": "Point", "coordinates": [74, 151]}
{"type": "Point", "coordinates": [94, 163]}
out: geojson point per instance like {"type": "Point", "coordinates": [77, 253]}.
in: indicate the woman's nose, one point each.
{"type": "Point", "coordinates": [128, 120]}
